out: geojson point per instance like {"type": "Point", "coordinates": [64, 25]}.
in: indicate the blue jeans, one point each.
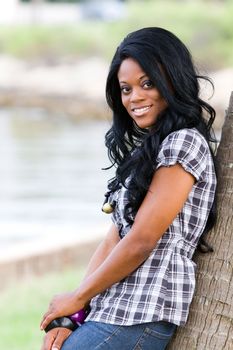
{"type": "Point", "coordinates": [95, 335]}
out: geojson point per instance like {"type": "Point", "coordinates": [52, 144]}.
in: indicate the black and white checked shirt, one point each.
{"type": "Point", "coordinates": [162, 287]}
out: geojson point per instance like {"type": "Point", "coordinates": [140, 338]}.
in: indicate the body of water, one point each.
{"type": "Point", "coordinates": [51, 182]}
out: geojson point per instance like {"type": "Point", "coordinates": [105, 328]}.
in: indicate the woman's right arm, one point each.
{"type": "Point", "coordinates": [103, 250]}
{"type": "Point", "coordinates": [56, 337]}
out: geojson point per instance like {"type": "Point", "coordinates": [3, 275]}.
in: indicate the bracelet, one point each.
{"type": "Point", "coordinates": [64, 322]}
{"type": "Point", "coordinates": [80, 316]}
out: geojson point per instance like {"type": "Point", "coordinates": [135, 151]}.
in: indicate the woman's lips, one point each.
{"type": "Point", "coordinates": [141, 110]}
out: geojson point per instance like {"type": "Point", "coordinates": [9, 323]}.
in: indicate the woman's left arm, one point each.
{"type": "Point", "coordinates": [165, 198]}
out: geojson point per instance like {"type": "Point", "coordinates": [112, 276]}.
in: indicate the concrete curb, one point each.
{"type": "Point", "coordinates": [34, 259]}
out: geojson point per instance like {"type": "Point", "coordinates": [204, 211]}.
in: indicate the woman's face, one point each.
{"type": "Point", "coordinates": [139, 96]}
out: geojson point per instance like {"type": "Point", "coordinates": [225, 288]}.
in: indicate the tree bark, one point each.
{"type": "Point", "coordinates": [210, 323]}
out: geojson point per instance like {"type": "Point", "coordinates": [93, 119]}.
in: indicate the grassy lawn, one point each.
{"type": "Point", "coordinates": [23, 304]}
{"type": "Point", "coordinates": [205, 26]}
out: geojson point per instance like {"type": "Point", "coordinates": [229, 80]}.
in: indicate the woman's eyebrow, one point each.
{"type": "Point", "coordinates": [142, 77]}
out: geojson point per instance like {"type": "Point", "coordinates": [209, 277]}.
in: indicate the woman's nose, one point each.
{"type": "Point", "coordinates": [136, 95]}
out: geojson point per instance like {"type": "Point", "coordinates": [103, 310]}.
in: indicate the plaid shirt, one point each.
{"type": "Point", "coordinates": [162, 287]}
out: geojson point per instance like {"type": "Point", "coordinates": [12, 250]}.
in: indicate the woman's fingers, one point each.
{"type": "Point", "coordinates": [55, 338]}
{"type": "Point", "coordinates": [61, 305]}
{"type": "Point", "coordinates": [62, 335]}
{"type": "Point", "coordinates": [52, 313]}
{"type": "Point", "coordinates": [49, 339]}
{"type": "Point", "coordinates": [48, 317]}
{"type": "Point", "coordinates": [44, 317]}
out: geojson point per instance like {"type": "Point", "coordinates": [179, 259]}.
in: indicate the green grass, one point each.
{"type": "Point", "coordinates": [205, 26]}
{"type": "Point", "coordinates": [23, 304]}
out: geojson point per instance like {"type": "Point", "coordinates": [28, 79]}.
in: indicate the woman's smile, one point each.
{"type": "Point", "coordinates": [139, 96]}
{"type": "Point", "coordinates": [141, 110]}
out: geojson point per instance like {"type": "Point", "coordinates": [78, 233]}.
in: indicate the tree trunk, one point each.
{"type": "Point", "coordinates": [210, 323]}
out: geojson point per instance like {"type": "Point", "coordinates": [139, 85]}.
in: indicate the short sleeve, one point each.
{"type": "Point", "coordinates": [186, 147]}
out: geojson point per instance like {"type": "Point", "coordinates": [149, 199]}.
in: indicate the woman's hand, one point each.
{"type": "Point", "coordinates": [62, 305]}
{"type": "Point", "coordinates": [55, 338]}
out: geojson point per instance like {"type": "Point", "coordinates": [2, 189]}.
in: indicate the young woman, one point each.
{"type": "Point", "coordinates": [140, 281]}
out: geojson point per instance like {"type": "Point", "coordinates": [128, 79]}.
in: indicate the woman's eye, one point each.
{"type": "Point", "coordinates": [125, 89]}
{"type": "Point", "coordinates": [147, 84]}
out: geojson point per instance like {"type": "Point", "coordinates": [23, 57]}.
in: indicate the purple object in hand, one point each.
{"type": "Point", "coordinates": [79, 317]}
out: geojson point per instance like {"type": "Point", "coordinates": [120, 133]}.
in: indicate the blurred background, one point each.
{"type": "Point", "coordinates": [54, 58]}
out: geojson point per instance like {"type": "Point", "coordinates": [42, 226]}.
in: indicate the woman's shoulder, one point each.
{"type": "Point", "coordinates": [189, 148]}
{"type": "Point", "coordinates": [186, 139]}
{"type": "Point", "coordinates": [188, 134]}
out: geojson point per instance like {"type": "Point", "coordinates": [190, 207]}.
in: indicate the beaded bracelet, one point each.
{"type": "Point", "coordinates": [72, 322]}
{"type": "Point", "coordinates": [64, 322]}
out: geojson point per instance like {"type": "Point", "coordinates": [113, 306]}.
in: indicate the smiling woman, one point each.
{"type": "Point", "coordinates": [141, 280]}
{"type": "Point", "coordinates": [140, 97]}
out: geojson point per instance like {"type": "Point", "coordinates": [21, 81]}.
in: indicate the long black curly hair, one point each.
{"type": "Point", "coordinates": [154, 48]}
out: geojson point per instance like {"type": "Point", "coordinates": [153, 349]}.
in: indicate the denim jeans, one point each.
{"type": "Point", "coordinates": [95, 335]}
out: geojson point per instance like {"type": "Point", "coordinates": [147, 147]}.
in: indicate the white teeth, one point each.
{"type": "Point", "coordinates": [141, 110]}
